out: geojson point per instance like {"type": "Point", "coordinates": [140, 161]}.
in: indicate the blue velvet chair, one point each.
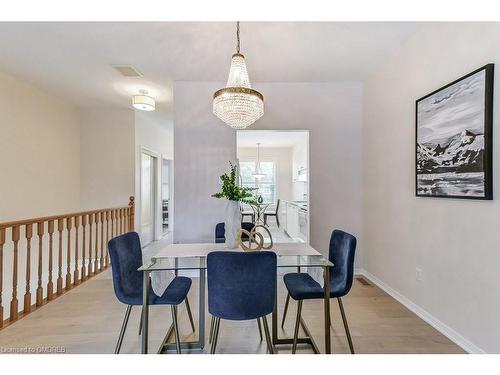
{"type": "Point", "coordinates": [220, 231]}
{"type": "Point", "coordinates": [220, 237]}
{"type": "Point", "coordinates": [302, 286]}
{"type": "Point", "coordinates": [126, 257]}
{"type": "Point", "coordinates": [241, 286]}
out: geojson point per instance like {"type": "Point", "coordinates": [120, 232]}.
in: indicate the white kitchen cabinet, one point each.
{"type": "Point", "coordinates": [292, 220]}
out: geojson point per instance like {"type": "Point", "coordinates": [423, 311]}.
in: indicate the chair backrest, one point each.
{"type": "Point", "coordinates": [241, 286]}
{"type": "Point", "coordinates": [341, 254]}
{"type": "Point", "coordinates": [277, 206]}
{"type": "Point", "coordinates": [220, 231]}
{"type": "Point", "coordinates": [126, 257]}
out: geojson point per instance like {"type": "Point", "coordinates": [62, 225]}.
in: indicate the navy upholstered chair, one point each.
{"type": "Point", "coordinates": [302, 286]}
{"type": "Point", "coordinates": [126, 257]}
{"type": "Point", "coordinates": [220, 237]}
{"type": "Point", "coordinates": [241, 286]}
{"type": "Point", "coordinates": [220, 231]}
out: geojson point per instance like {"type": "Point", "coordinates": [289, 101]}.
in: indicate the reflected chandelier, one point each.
{"type": "Point", "coordinates": [238, 105]}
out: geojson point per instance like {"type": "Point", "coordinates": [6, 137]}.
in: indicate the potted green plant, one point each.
{"type": "Point", "coordinates": [234, 194]}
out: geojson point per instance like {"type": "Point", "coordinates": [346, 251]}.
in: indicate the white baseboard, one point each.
{"type": "Point", "coordinates": [453, 335]}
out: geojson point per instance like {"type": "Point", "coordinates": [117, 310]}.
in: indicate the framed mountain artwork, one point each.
{"type": "Point", "coordinates": [454, 138]}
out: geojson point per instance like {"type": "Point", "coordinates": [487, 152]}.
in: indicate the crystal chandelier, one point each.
{"type": "Point", "coordinates": [238, 105]}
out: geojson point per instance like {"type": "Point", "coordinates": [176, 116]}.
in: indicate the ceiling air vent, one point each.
{"type": "Point", "coordinates": [127, 71]}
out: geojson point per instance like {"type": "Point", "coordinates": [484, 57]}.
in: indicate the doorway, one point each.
{"type": "Point", "coordinates": [148, 196]}
{"type": "Point", "coordinates": [275, 163]}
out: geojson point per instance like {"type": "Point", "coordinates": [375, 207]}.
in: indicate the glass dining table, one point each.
{"type": "Point", "coordinates": [192, 257]}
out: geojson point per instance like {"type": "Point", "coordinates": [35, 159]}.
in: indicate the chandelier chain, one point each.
{"type": "Point", "coordinates": [238, 36]}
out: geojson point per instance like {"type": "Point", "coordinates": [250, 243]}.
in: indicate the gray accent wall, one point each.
{"type": "Point", "coordinates": [332, 112]}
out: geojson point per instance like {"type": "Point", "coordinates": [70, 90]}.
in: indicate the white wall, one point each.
{"type": "Point", "coordinates": [203, 146]}
{"type": "Point", "coordinates": [107, 157]}
{"type": "Point", "coordinates": [39, 152]}
{"type": "Point", "coordinates": [454, 242]}
{"type": "Point", "coordinates": [40, 170]}
{"type": "Point", "coordinates": [282, 157]}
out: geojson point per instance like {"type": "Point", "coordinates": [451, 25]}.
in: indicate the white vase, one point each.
{"type": "Point", "coordinates": [232, 223]}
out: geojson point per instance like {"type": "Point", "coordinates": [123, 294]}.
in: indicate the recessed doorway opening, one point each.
{"type": "Point", "coordinates": [276, 164]}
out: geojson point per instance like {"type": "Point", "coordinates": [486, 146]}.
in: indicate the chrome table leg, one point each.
{"type": "Point", "coordinates": [326, 288]}
{"type": "Point", "coordinates": [145, 311]}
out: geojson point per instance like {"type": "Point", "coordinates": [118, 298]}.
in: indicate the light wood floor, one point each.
{"type": "Point", "coordinates": [88, 320]}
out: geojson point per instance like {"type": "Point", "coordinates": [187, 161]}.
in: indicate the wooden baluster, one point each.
{"type": "Point", "coordinates": [121, 221]}
{"type": "Point", "coordinates": [117, 217]}
{"type": "Point", "coordinates": [60, 227]}
{"type": "Point", "coordinates": [13, 303]}
{"type": "Point", "coordinates": [75, 273]}
{"type": "Point", "coordinates": [101, 262]}
{"type": "Point", "coordinates": [107, 239]}
{"type": "Point", "coordinates": [91, 222]}
{"type": "Point", "coordinates": [27, 295]}
{"type": "Point", "coordinates": [84, 225]}
{"type": "Point", "coordinates": [124, 228]}
{"type": "Point", "coordinates": [96, 260]}
{"type": "Point", "coordinates": [50, 284]}
{"type": "Point", "coordinates": [131, 222]}
{"type": "Point", "coordinates": [69, 225]}
{"type": "Point", "coordinates": [39, 290]}
{"type": "Point", "coordinates": [113, 223]}
{"type": "Point", "coordinates": [2, 241]}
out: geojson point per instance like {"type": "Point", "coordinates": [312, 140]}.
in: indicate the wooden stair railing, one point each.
{"type": "Point", "coordinates": [84, 235]}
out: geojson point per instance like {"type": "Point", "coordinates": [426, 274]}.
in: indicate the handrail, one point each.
{"type": "Point", "coordinates": [74, 246]}
{"type": "Point", "coordinates": [7, 224]}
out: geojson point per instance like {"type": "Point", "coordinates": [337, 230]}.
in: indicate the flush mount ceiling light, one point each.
{"type": "Point", "coordinates": [238, 105]}
{"type": "Point", "coordinates": [258, 173]}
{"type": "Point", "coordinates": [143, 101]}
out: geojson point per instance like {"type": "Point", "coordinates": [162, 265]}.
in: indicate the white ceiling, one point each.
{"type": "Point", "coordinates": [270, 138]}
{"type": "Point", "coordinates": [73, 60]}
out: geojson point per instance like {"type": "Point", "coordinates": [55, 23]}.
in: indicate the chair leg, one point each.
{"type": "Point", "coordinates": [265, 219]}
{"type": "Point", "coordinates": [176, 329]}
{"type": "Point", "coordinates": [344, 319]}
{"type": "Point", "coordinates": [270, 346]}
{"type": "Point", "coordinates": [260, 328]}
{"type": "Point", "coordinates": [212, 325]}
{"type": "Point", "coordinates": [189, 314]}
{"type": "Point", "coordinates": [277, 221]}
{"type": "Point", "coordinates": [297, 325]}
{"type": "Point", "coordinates": [216, 335]}
{"type": "Point", "coordinates": [140, 326]}
{"type": "Point", "coordinates": [285, 310]}
{"type": "Point", "coordinates": [122, 331]}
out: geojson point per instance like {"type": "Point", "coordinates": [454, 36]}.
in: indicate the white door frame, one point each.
{"type": "Point", "coordinates": [170, 195]}
{"type": "Point", "coordinates": [157, 230]}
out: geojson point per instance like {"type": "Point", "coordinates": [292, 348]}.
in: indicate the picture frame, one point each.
{"type": "Point", "coordinates": [454, 139]}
